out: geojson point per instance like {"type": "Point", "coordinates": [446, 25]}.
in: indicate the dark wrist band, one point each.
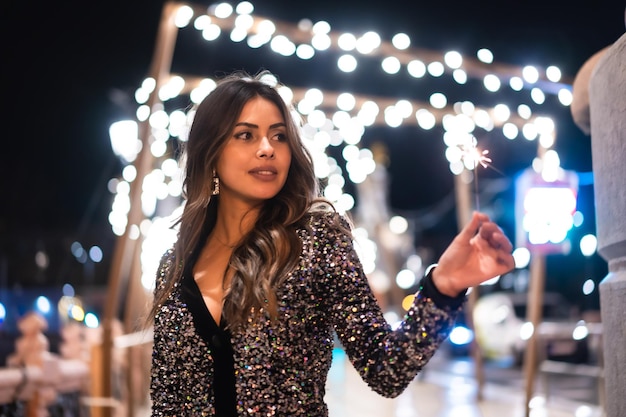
{"type": "Point", "coordinates": [430, 290]}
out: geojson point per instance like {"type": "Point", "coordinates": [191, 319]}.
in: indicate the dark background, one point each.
{"type": "Point", "coordinates": [70, 69]}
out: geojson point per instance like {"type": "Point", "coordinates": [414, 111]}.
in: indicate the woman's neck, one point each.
{"type": "Point", "coordinates": [232, 224]}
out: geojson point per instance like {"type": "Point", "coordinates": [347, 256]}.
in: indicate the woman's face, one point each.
{"type": "Point", "coordinates": [254, 163]}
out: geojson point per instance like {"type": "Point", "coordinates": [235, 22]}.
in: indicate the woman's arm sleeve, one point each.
{"type": "Point", "coordinates": [387, 359]}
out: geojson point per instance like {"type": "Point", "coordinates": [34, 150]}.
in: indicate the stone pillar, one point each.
{"type": "Point", "coordinates": [607, 103]}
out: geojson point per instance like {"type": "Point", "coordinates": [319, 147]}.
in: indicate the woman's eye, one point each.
{"type": "Point", "coordinates": [281, 137]}
{"type": "Point", "coordinates": [244, 135]}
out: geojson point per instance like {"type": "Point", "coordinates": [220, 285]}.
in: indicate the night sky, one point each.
{"type": "Point", "coordinates": [71, 68]}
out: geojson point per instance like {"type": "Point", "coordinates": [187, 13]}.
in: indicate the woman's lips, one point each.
{"type": "Point", "coordinates": [264, 173]}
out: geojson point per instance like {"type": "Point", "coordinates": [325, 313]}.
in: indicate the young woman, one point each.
{"type": "Point", "coordinates": [264, 274]}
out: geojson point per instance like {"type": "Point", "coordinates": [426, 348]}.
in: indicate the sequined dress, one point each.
{"type": "Point", "coordinates": [281, 366]}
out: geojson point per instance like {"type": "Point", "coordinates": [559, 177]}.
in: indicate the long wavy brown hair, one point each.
{"type": "Point", "coordinates": [271, 249]}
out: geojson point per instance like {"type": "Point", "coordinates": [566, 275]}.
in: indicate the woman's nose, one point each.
{"type": "Point", "coordinates": [266, 150]}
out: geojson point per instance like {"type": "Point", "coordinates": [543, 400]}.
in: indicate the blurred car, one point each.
{"type": "Point", "coordinates": [502, 331]}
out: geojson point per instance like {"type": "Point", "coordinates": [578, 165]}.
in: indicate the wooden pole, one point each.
{"type": "Point", "coordinates": [534, 316]}
{"type": "Point", "coordinates": [126, 248]}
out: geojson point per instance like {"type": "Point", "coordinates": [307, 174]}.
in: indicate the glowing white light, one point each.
{"type": "Point", "coordinates": [141, 95]}
{"type": "Point", "coordinates": [521, 256]}
{"type": "Point", "coordinates": [345, 203]}
{"type": "Point", "coordinates": [346, 101]}
{"type": "Point", "coordinates": [183, 16]}
{"type": "Point", "coordinates": [315, 96]}
{"type": "Point", "coordinates": [266, 28]}
{"type": "Point", "coordinates": [401, 41]}
{"type": "Point", "coordinates": [91, 320]}
{"type": "Point", "coordinates": [548, 214]}
{"type": "Point", "coordinates": [316, 118]}
{"type": "Point", "coordinates": [546, 140]}
{"type": "Point", "coordinates": [530, 74]}
{"type": "Point", "coordinates": [321, 27]}
{"type": "Point", "coordinates": [398, 225]}
{"type": "Point", "coordinates": [404, 108]}
{"type": "Point", "coordinates": [579, 218]}
{"type": "Point", "coordinates": [588, 245]}
{"type": "Point", "coordinates": [565, 96]}
{"type": "Point", "coordinates": [580, 331]}
{"type": "Point", "coordinates": [425, 119]}
{"type": "Point", "coordinates": [352, 132]}
{"type": "Point", "coordinates": [414, 262]}
{"type": "Point", "coordinates": [459, 76]}
{"type": "Point", "coordinates": [95, 254]}
{"type": "Point", "coordinates": [391, 65]}
{"type": "Point", "coordinates": [491, 82]}
{"type": "Point", "coordinates": [516, 83]}
{"type": "Point", "coordinates": [545, 125]}
{"type": "Point", "coordinates": [584, 411]}
{"type": "Point", "coordinates": [245, 7]}
{"type": "Point", "coordinates": [350, 153]}
{"type": "Point", "coordinates": [510, 131]}
{"type": "Point", "coordinates": [282, 45]}
{"type": "Point", "coordinates": [211, 32]}
{"type": "Point", "coordinates": [340, 119]}
{"type": "Point", "coordinates": [453, 154]}
{"type": "Point", "coordinates": [405, 279]}
{"type": "Point", "coordinates": [529, 130]}
{"type": "Point", "coordinates": [346, 42]}
{"type": "Point", "coordinates": [457, 167]}
{"type": "Point", "coordinates": [202, 22]}
{"type": "Point", "coordinates": [502, 112]}
{"type": "Point", "coordinates": [238, 34]}
{"type": "Point", "coordinates": [553, 74]}
{"type": "Point", "coordinates": [305, 25]}
{"type": "Point", "coordinates": [526, 330]}
{"type": "Point", "coordinates": [223, 10]}
{"type": "Point", "coordinates": [124, 139]}
{"type": "Point", "coordinates": [172, 88]}
{"type": "Point", "coordinates": [305, 107]}
{"type": "Point", "coordinates": [347, 63]}
{"type": "Point", "coordinates": [368, 42]}
{"type": "Point", "coordinates": [453, 59]}
{"type": "Point", "coordinates": [416, 68]}
{"type": "Point", "coordinates": [393, 118]}
{"type": "Point", "coordinates": [257, 40]}
{"type": "Point", "coordinates": [483, 119]}
{"type": "Point", "coordinates": [158, 148]}
{"type": "Point", "coordinates": [244, 22]}
{"type": "Point", "coordinates": [461, 335]}
{"type": "Point", "coordinates": [368, 112]}
{"type": "Point", "coordinates": [485, 55]}
{"type": "Point", "coordinates": [159, 236]}
{"type": "Point", "coordinates": [202, 90]}
{"type": "Point", "coordinates": [305, 51]}
{"type": "Point", "coordinates": [524, 111]}
{"type": "Point", "coordinates": [332, 192]}
{"type": "Point", "coordinates": [321, 42]}
{"type": "Point", "coordinates": [438, 100]}
{"type": "Point", "coordinates": [43, 304]}
{"type": "Point", "coordinates": [589, 286]}
{"type": "Point", "coordinates": [538, 95]}
{"type": "Point", "coordinates": [435, 68]}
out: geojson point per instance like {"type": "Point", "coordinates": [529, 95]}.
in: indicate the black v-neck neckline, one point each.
{"type": "Point", "coordinates": [218, 340]}
{"type": "Point", "coordinates": [205, 322]}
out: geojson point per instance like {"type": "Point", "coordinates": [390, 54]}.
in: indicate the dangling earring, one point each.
{"type": "Point", "coordinates": [216, 184]}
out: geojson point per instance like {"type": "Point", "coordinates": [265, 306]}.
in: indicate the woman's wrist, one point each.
{"type": "Point", "coordinates": [443, 284]}
{"type": "Point", "coordinates": [441, 299]}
